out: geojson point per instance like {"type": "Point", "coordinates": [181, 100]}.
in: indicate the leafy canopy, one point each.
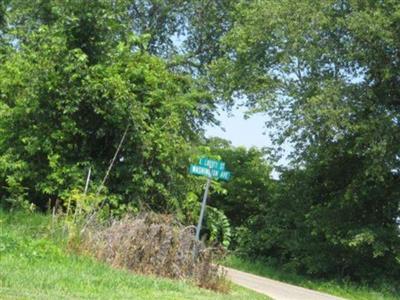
{"type": "Point", "coordinates": [74, 80]}
{"type": "Point", "coordinates": [328, 74]}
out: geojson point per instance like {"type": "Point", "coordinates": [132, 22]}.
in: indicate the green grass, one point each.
{"type": "Point", "coordinates": [341, 289]}
{"type": "Point", "coordinates": [35, 265]}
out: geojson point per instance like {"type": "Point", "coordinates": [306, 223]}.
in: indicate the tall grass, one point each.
{"type": "Point", "coordinates": [36, 264]}
{"type": "Point", "coordinates": [149, 244]}
{"type": "Point", "coordinates": [158, 245]}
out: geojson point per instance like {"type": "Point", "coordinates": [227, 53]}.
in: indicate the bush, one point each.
{"type": "Point", "coordinates": [155, 244]}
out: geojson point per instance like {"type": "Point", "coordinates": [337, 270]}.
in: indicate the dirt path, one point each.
{"type": "Point", "coordinates": [275, 289]}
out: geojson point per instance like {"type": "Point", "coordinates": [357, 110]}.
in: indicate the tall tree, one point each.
{"type": "Point", "coordinates": [3, 6]}
{"type": "Point", "coordinates": [327, 72]}
{"type": "Point", "coordinates": [186, 28]}
{"type": "Point", "coordinates": [76, 81]}
{"type": "Point", "coordinates": [164, 23]}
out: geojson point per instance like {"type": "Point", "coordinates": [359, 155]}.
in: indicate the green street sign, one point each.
{"type": "Point", "coordinates": [211, 173]}
{"type": "Point", "coordinates": [224, 175]}
{"type": "Point", "coordinates": [212, 164]}
{"type": "Point", "coordinates": [212, 169]}
{"type": "Point", "coordinates": [203, 171]}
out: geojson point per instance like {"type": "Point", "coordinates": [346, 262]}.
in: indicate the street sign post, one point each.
{"type": "Point", "coordinates": [203, 208]}
{"type": "Point", "coordinates": [212, 169]}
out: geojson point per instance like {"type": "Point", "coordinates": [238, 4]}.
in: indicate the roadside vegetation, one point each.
{"type": "Point", "coordinates": [36, 262]}
{"type": "Point", "coordinates": [155, 244]}
{"type": "Point", "coordinates": [348, 290]}
{"type": "Point", "coordinates": [103, 106]}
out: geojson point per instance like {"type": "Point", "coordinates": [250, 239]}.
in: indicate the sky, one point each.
{"type": "Point", "coordinates": [240, 131]}
{"type": "Point", "coordinates": [250, 132]}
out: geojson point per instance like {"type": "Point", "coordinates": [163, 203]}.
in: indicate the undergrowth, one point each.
{"type": "Point", "coordinates": [158, 245]}
{"type": "Point", "coordinates": [35, 263]}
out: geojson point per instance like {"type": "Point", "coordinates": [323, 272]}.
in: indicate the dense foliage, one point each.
{"type": "Point", "coordinates": [80, 78]}
{"type": "Point", "coordinates": [249, 190]}
{"type": "Point", "coordinates": [328, 74]}
{"type": "Point", "coordinates": [231, 203]}
{"type": "Point", "coordinates": [72, 82]}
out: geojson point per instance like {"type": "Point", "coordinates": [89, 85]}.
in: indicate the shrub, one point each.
{"type": "Point", "coordinates": [155, 244]}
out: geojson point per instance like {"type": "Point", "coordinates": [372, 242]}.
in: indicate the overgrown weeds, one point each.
{"type": "Point", "coordinates": [155, 244]}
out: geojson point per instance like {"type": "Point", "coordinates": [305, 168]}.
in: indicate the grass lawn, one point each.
{"type": "Point", "coordinates": [35, 265]}
{"type": "Point", "coordinates": [341, 289]}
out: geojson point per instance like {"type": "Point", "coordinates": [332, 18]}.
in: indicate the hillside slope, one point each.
{"type": "Point", "coordinates": [35, 265]}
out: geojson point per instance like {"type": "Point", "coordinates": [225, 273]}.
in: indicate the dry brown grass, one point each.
{"type": "Point", "coordinates": [158, 245]}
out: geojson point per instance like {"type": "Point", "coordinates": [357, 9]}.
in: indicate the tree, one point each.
{"type": "Point", "coordinates": [327, 73]}
{"type": "Point", "coordinates": [188, 29]}
{"type": "Point", "coordinates": [3, 23]}
{"type": "Point", "coordinates": [163, 22]}
{"type": "Point", "coordinates": [75, 81]}
{"type": "Point", "coordinates": [251, 186]}
{"type": "Point", "coordinates": [2, 14]}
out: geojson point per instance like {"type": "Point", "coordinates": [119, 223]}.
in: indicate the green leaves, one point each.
{"type": "Point", "coordinates": [68, 91]}
{"type": "Point", "coordinates": [218, 226]}
{"type": "Point", "coordinates": [249, 190]}
{"type": "Point", "coordinates": [327, 73]}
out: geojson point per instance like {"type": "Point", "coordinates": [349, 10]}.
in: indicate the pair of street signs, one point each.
{"type": "Point", "coordinates": [210, 168]}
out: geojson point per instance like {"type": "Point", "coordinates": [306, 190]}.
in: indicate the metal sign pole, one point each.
{"type": "Point", "coordinates": [87, 181]}
{"type": "Point", "coordinates": [203, 208]}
